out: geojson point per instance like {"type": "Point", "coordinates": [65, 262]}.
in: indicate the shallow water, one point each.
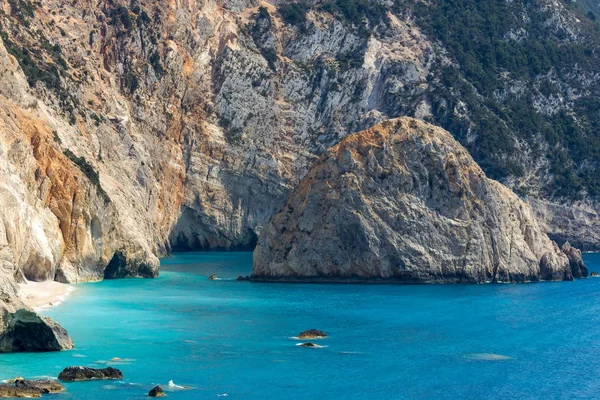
{"type": "Point", "coordinates": [233, 339]}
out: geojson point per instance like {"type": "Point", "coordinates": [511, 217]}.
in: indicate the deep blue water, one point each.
{"type": "Point", "coordinates": [386, 341]}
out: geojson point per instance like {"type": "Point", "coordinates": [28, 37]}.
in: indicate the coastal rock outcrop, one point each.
{"type": "Point", "coordinates": [578, 267]}
{"type": "Point", "coordinates": [404, 202]}
{"type": "Point", "coordinates": [29, 388]}
{"type": "Point", "coordinates": [21, 329]}
{"type": "Point", "coordinates": [312, 334]}
{"type": "Point", "coordinates": [78, 373]}
{"type": "Point", "coordinates": [156, 391]}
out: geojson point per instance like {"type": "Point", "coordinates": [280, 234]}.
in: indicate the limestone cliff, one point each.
{"type": "Point", "coordinates": [403, 201]}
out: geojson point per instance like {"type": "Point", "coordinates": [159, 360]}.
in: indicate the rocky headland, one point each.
{"type": "Point", "coordinates": [405, 202]}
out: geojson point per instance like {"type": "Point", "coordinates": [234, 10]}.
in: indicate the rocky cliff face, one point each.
{"type": "Point", "coordinates": [403, 201]}
{"type": "Point", "coordinates": [130, 127]}
{"type": "Point", "coordinates": [200, 117]}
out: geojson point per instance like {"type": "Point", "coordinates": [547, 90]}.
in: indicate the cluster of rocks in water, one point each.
{"type": "Point", "coordinates": [311, 334]}
{"type": "Point", "coordinates": [21, 388]}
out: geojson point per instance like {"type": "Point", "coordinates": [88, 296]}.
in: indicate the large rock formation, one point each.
{"type": "Point", "coordinates": [21, 329]}
{"type": "Point", "coordinates": [403, 201]}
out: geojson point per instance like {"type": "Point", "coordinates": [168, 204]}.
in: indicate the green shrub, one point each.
{"type": "Point", "coordinates": [88, 171]}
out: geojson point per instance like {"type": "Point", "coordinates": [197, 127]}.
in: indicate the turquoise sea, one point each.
{"type": "Point", "coordinates": [234, 340]}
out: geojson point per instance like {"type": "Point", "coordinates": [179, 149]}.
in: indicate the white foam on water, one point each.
{"type": "Point", "coordinates": [488, 357]}
{"type": "Point", "coordinates": [173, 386]}
{"type": "Point", "coordinates": [109, 387]}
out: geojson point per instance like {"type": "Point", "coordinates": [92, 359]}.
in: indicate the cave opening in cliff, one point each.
{"type": "Point", "coordinates": [193, 233]}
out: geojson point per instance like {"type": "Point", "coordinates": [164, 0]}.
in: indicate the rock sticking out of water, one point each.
{"type": "Point", "coordinates": [213, 277]}
{"type": "Point", "coordinates": [29, 388]}
{"type": "Point", "coordinates": [156, 392]}
{"type": "Point", "coordinates": [575, 260]}
{"type": "Point", "coordinates": [308, 344]}
{"type": "Point", "coordinates": [312, 334]}
{"type": "Point", "coordinates": [85, 374]}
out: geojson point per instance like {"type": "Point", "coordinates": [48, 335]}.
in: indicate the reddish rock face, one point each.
{"type": "Point", "coordinates": [404, 202]}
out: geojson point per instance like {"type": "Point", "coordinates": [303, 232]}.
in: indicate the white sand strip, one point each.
{"type": "Point", "coordinates": [42, 295]}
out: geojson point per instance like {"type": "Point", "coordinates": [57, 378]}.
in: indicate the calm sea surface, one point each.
{"type": "Point", "coordinates": [229, 339]}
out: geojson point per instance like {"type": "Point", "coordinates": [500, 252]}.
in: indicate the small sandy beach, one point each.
{"type": "Point", "coordinates": [42, 295]}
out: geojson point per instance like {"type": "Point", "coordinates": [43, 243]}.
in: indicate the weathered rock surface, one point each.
{"type": "Point", "coordinates": [404, 202]}
{"type": "Point", "coordinates": [85, 374]}
{"type": "Point", "coordinates": [308, 344]}
{"type": "Point", "coordinates": [23, 330]}
{"type": "Point", "coordinates": [312, 334]}
{"type": "Point", "coordinates": [45, 385]}
{"type": "Point", "coordinates": [29, 388]}
{"type": "Point", "coordinates": [578, 267]}
{"type": "Point", "coordinates": [156, 391]}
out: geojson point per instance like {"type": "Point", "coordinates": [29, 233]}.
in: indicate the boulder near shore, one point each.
{"type": "Point", "coordinates": [23, 388]}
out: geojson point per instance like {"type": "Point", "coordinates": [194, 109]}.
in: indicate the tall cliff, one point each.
{"type": "Point", "coordinates": [403, 201]}
{"type": "Point", "coordinates": [130, 127]}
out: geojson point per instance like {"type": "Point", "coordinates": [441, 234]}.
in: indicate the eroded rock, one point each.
{"type": "Point", "coordinates": [78, 373]}
{"type": "Point", "coordinates": [26, 331]}
{"type": "Point", "coordinates": [575, 260]}
{"type": "Point", "coordinates": [404, 202]}
{"type": "Point", "coordinates": [312, 334]}
{"type": "Point", "coordinates": [20, 387]}
{"type": "Point", "coordinates": [156, 391]}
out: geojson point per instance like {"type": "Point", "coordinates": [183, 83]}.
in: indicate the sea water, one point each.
{"type": "Point", "coordinates": [235, 340]}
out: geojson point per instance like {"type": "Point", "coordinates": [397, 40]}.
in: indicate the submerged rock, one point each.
{"type": "Point", "coordinates": [575, 260]}
{"type": "Point", "coordinates": [156, 392]}
{"type": "Point", "coordinates": [20, 387]}
{"type": "Point", "coordinates": [243, 278]}
{"type": "Point", "coordinates": [85, 374]}
{"type": "Point", "coordinates": [404, 202]}
{"type": "Point", "coordinates": [312, 334]}
{"type": "Point", "coordinates": [308, 344]}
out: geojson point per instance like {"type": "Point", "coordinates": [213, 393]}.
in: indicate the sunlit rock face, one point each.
{"type": "Point", "coordinates": [403, 201]}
